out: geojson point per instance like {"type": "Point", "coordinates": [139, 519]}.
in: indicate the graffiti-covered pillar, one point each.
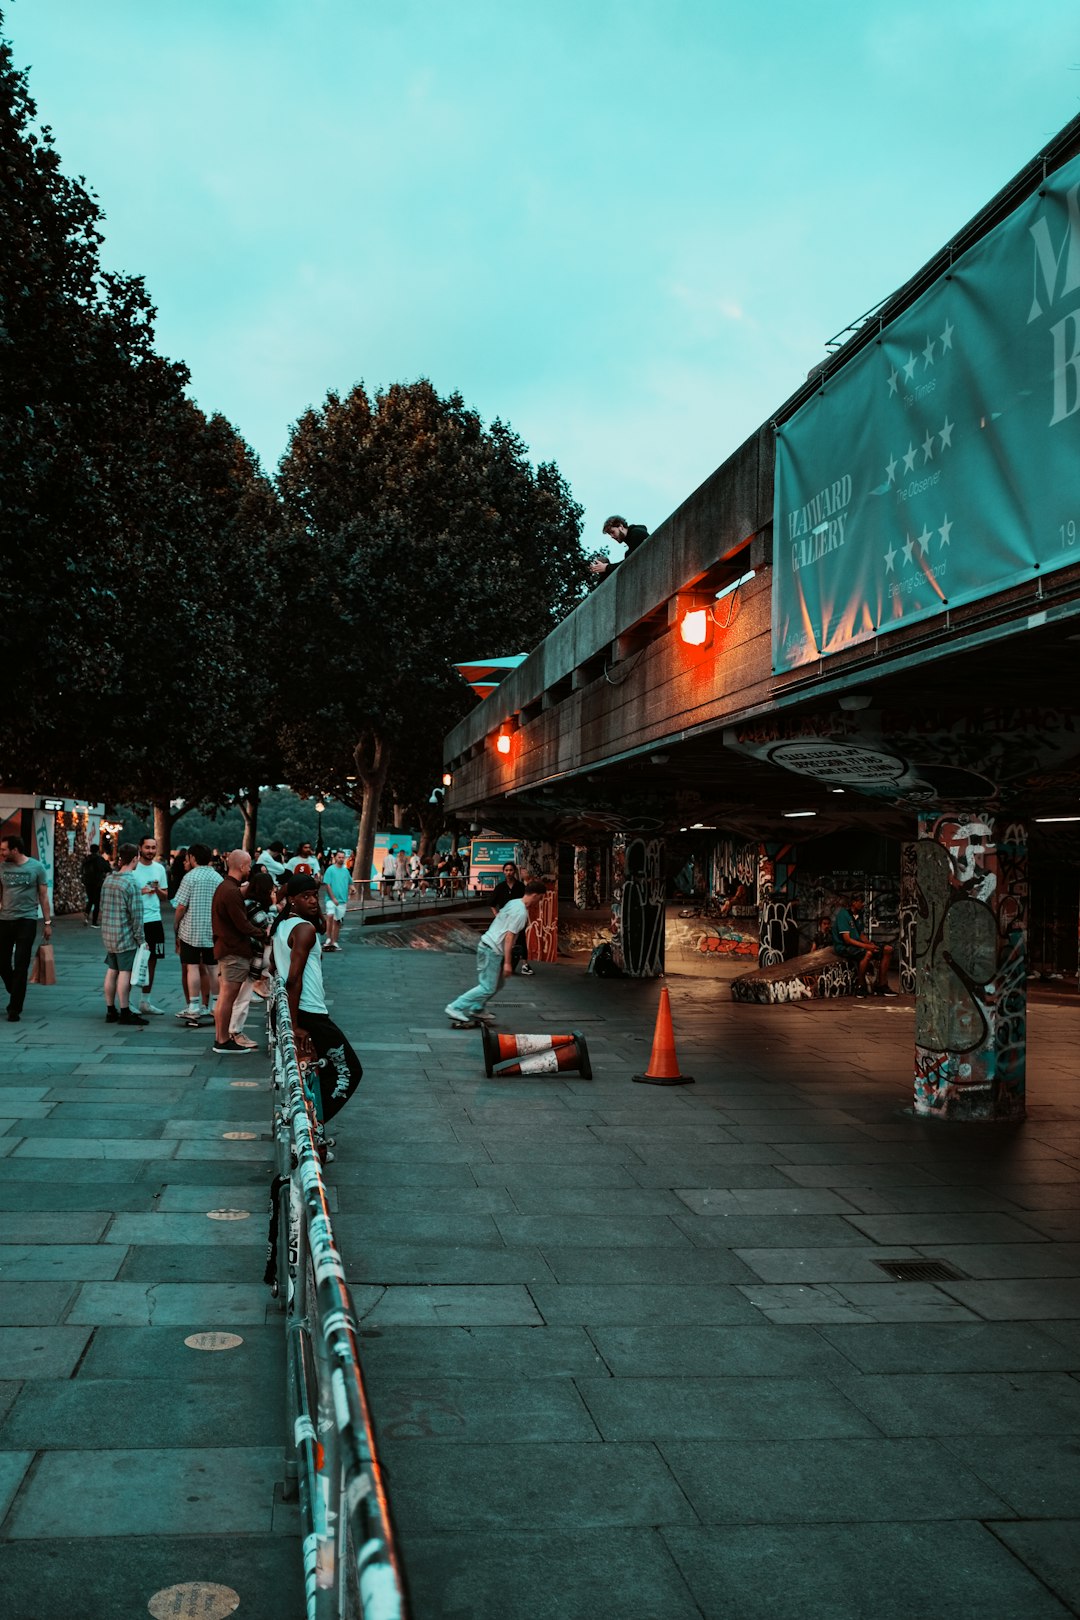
{"type": "Point", "coordinates": [540, 859]}
{"type": "Point", "coordinates": [637, 905]}
{"type": "Point", "coordinates": [778, 929]}
{"type": "Point", "coordinates": [970, 966]}
{"type": "Point", "coordinates": [581, 876]}
{"type": "Point", "coordinates": [907, 913]}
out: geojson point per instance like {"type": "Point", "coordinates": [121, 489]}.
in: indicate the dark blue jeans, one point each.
{"type": "Point", "coordinates": [17, 936]}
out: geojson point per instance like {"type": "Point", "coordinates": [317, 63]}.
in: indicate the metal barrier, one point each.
{"type": "Point", "coordinates": [352, 1570]}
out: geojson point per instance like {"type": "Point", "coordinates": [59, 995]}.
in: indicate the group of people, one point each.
{"type": "Point", "coordinates": [415, 874]}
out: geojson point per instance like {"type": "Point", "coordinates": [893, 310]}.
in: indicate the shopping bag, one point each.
{"type": "Point", "coordinates": [44, 968]}
{"type": "Point", "coordinates": [140, 968]}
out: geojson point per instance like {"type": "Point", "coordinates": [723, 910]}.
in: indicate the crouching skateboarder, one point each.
{"type": "Point", "coordinates": [495, 958]}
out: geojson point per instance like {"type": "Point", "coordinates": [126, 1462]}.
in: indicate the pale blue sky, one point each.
{"type": "Point", "coordinates": [628, 227]}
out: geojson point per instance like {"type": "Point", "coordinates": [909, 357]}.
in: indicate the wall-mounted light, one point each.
{"type": "Point", "coordinates": [502, 741]}
{"type": "Point", "coordinates": [658, 759]}
{"type": "Point", "coordinates": [852, 702]}
{"type": "Point", "coordinates": [447, 779]}
{"type": "Point", "coordinates": [694, 627]}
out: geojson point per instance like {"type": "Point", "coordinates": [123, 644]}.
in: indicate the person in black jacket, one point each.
{"type": "Point", "coordinates": [626, 534]}
{"type": "Point", "coordinates": [95, 869]}
{"type": "Point", "coordinates": [512, 888]}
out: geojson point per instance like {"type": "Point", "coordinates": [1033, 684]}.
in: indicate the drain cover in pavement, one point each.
{"type": "Point", "coordinates": [199, 1600]}
{"type": "Point", "coordinates": [920, 1270]}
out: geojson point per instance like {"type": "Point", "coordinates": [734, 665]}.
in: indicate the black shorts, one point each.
{"type": "Point", "coordinates": [196, 955]}
{"type": "Point", "coordinates": [154, 935]}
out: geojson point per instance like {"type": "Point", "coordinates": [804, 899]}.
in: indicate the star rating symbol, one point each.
{"type": "Point", "coordinates": [928, 352]}
{"type": "Point", "coordinates": [890, 469]}
{"type": "Point", "coordinates": [946, 337]}
{"type": "Point", "coordinates": [945, 530]}
{"type": "Point", "coordinates": [924, 540]}
{"type": "Point", "coordinates": [909, 369]}
{"type": "Point", "coordinates": [894, 378]}
{"type": "Point", "coordinates": [909, 457]}
{"type": "Point", "coordinates": [928, 448]}
{"type": "Point", "coordinates": [909, 546]}
{"type": "Point", "coordinates": [946, 434]}
{"type": "Point", "coordinates": [890, 559]}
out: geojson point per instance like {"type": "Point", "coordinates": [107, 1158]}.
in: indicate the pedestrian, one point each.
{"type": "Point", "coordinates": [179, 864]}
{"type": "Point", "coordinates": [304, 860]}
{"type": "Point", "coordinates": [121, 935]}
{"type": "Point", "coordinates": [299, 965]}
{"type": "Point", "coordinates": [850, 943]}
{"type": "Point", "coordinates": [194, 932]}
{"type": "Point", "coordinates": [153, 885]}
{"type": "Point", "coordinates": [495, 958]}
{"type": "Point", "coordinates": [272, 860]}
{"type": "Point", "coordinates": [512, 888]}
{"type": "Point", "coordinates": [336, 898]}
{"type": "Point", "coordinates": [235, 936]}
{"type": "Point", "coordinates": [24, 886]}
{"type": "Point", "coordinates": [389, 870]}
{"type": "Point", "coordinates": [401, 875]}
{"type": "Point", "coordinates": [259, 909]}
{"type": "Point", "coordinates": [625, 534]}
{"type": "Point", "coordinates": [94, 870]}
{"type": "Point", "coordinates": [416, 872]}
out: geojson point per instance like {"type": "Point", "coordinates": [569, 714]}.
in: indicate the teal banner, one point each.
{"type": "Point", "coordinates": [943, 463]}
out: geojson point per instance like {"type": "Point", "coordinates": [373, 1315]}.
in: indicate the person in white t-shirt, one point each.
{"type": "Point", "coordinates": [272, 860]}
{"type": "Point", "coordinates": [305, 861]}
{"type": "Point", "coordinates": [153, 884]}
{"type": "Point", "coordinates": [495, 958]}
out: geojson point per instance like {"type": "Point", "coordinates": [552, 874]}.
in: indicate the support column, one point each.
{"type": "Point", "coordinates": [778, 929]}
{"type": "Point", "coordinates": [971, 966]}
{"type": "Point", "coordinates": [907, 917]}
{"type": "Point", "coordinates": [538, 858]}
{"type": "Point", "coordinates": [637, 905]}
{"type": "Point", "coordinates": [581, 876]}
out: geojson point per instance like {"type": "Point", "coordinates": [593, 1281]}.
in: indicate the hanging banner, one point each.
{"type": "Point", "coordinates": [940, 465]}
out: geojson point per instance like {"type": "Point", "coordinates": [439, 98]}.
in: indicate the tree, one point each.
{"type": "Point", "coordinates": [433, 541]}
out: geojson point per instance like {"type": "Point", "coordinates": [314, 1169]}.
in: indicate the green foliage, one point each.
{"type": "Point", "coordinates": [283, 814]}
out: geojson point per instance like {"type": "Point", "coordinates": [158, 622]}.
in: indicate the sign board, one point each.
{"type": "Point", "coordinates": [939, 465]}
{"type": "Point", "coordinates": [486, 860]}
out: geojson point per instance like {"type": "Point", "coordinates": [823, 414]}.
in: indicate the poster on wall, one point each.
{"type": "Point", "coordinates": [939, 465]}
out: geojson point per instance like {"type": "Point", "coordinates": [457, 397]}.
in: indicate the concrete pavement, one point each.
{"type": "Point", "coordinates": [630, 1349]}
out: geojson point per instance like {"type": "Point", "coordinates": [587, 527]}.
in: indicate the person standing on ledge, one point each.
{"type": "Point", "coordinates": [24, 886]}
{"type": "Point", "coordinates": [850, 943]}
{"type": "Point", "coordinates": [626, 534]}
{"type": "Point", "coordinates": [495, 958]}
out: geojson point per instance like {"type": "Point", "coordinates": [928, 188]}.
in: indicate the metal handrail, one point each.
{"type": "Point", "coordinates": [352, 1569]}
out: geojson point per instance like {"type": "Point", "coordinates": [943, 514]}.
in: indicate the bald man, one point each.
{"type": "Point", "coordinates": [234, 936]}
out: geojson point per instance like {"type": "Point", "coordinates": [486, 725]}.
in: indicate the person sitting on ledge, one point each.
{"type": "Point", "coordinates": [850, 943]}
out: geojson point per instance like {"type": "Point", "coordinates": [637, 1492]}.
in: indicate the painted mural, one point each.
{"type": "Point", "coordinates": [637, 905]}
{"type": "Point", "coordinates": [778, 925]}
{"type": "Point", "coordinates": [971, 967]}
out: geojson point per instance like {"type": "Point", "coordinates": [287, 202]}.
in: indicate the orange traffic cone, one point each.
{"type": "Point", "coordinates": [536, 1054]}
{"type": "Point", "coordinates": [663, 1067]}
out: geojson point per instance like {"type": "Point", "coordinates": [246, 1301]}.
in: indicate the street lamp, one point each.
{"type": "Point", "coordinates": [319, 808]}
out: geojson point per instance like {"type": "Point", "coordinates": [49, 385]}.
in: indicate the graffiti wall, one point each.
{"type": "Point", "coordinates": [637, 905]}
{"type": "Point", "coordinates": [970, 967]}
{"type": "Point", "coordinates": [539, 859]}
{"type": "Point", "coordinates": [777, 916]}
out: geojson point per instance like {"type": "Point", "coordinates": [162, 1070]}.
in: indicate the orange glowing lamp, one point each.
{"type": "Point", "coordinates": [694, 627]}
{"type": "Point", "coordinates": [502, 741]}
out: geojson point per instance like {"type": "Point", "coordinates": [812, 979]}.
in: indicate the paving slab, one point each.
{"type": "Point", "coordinates": [637, 1303]}
{"type": "Point", "coordinates": [127, 1413]}
{"type": "Point", "coordinates": [848, 1572]}
{"type": "Point", "coordinates": [911, 1347]}
{"type": "Point", "coordinates": [1051, 1551]}
{"type": "Point", "coordinates": [41, 1351]}
{"type": "Point", "coordinates": [969, 1403]}
{"type": "Point", "coordinates": [34, 1304]}
{"type": "Point", "coordinates": [683, 1408]}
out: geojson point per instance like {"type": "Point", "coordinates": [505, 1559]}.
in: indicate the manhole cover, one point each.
{"type": "Point", "coordinates": [244, 1085]}
{"type": "Point", "coordinates": [194, 1600]}
{"type": "Point", "coordinates": [239, 1136]}
{"type": "Point", "coordinates": [211, 1341]}
{"type": "Point", "coordinates": [228, 1214]}
{"type": "Point", "coordinates": [920, 1270]}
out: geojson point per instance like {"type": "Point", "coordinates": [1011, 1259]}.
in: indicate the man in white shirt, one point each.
{"type": "Point", "coordinates": [153, 883]}
{"type": "Point", "coordinates": [495, 958]}
{"type": "Point", "coordinates": [304, 861]}
{"type": "Point", "coordinates": [272, 860]}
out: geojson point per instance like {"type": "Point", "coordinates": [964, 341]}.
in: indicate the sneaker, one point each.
{"type": "Point", "coordinates": [861, 991]}
{"type": "Point", "coordinates": [129, 1018]}
{"type": "Point", "coordinates": [111, 1015]}
{"type": "Point", "coordinates": [190, 1011]}
{"type": "Point", "coordinates": [146, 1006]}
{"type": "Point", "coordinates": [244, 1041]}
{"type": "Point", "coordinates": [206, 1015]}
{"type": "Point", "coordinates": [886, 990]}
{"type": "Point", "coordinates": [486, 1018]}
{"type": "Point", "coordinates": [526, 970]}
{"type": "Point", "coordinates": [456, 1020]}
{"type": "Point", "coordinates": [221, 1047]}
{"type": "Point", "coordinates": [13, 1018]}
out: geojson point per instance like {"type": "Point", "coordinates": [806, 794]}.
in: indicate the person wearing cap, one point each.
{"type": "Point", "coordinates": [625, 534]}
{"type": "Point", "coordinates": [298, 963]}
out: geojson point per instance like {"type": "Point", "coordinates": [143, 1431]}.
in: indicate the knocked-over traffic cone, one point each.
{"type": "Point", "coordinates": [663, 1067]}
{"type": "Point", "coordinates": [536, 1054]}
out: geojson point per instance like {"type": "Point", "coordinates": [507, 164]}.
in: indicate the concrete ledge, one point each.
{"type": "Point", "coordinates": [817, 975]}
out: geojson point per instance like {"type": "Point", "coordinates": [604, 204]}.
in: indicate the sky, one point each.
{"type": "Point", "coordinates": [628, 228]}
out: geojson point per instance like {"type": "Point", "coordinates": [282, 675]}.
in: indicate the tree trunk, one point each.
{"type": "Point", "coordinates": [372, 756]}
{"type": "Point", "coordinates": [432, 822]}
{"type": "Point", "coordinates": [399, 814]}
{"type": "Point", "coordinates": [165, 819]}
{"type": "Point", "coordinates": [249, 809]}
